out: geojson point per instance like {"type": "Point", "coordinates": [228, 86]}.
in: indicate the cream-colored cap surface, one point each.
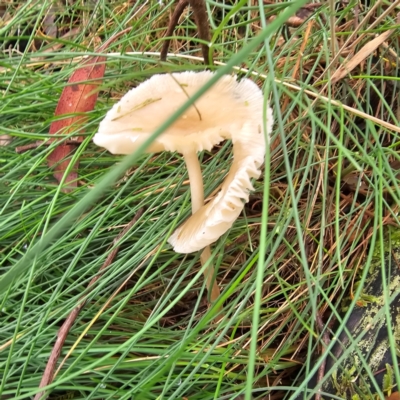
{"type": "Point", "coordinates": [223, 109]}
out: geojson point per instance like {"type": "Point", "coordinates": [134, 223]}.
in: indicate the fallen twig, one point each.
{"type": "Point", "coordinates": [48, 374]}
{"type": "Point", "coordinates": [38, 143]}
{"type": "Point", "coordinates": [171, 27]}
{"type": "Point", "coordinates": [77, 99]}
{"type": "Point", "coordinates": [201, 19]}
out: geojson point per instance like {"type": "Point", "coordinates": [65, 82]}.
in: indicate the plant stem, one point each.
{"type": "Point", "coordinates": [197, 195]}
{"type": "Point", "coordinates": [211, 283]}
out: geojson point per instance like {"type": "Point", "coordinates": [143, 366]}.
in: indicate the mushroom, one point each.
{"type": "Point", "coordinates": [230, 109]}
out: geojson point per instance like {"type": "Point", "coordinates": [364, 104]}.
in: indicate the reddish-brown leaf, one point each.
{"type": "Point", "coordinates": [78, 96]}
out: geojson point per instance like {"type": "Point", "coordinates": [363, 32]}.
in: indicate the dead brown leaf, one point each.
{"type": "Point", "coordinates": [364, 52]}
{"type": "Point", "coordinates": [78, 97]}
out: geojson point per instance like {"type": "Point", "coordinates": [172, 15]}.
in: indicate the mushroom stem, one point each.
{"type": "Point", "coordinates": [196, 180]}
{"type": "Point", "coordinates": [197, 194]}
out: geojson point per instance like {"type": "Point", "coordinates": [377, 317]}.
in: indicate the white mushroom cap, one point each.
{"type": "Point", "coordinates": [223, 109]}
{"type": "Point", "coordinates": [229, 110]}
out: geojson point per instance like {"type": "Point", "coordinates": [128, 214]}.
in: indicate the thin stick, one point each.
{"type": "Point", "coordinates": [201, 18]}
{"type": "Point", "coordinates": [171, 27]}
{"type": "Point", "coordinates": [48, 374]}
{"type": "Point", "coordinates": [38, 143]}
